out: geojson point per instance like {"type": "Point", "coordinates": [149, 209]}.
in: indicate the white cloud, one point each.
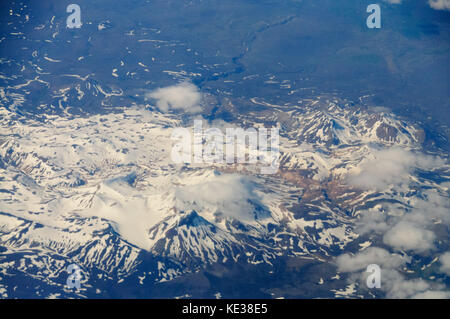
{"type": "Point", "coordinates": [407, 236]}
{"type": "Point", "coordinates": [445, 263]}
{"type": "Point", "coordinates": [407, 228]}
{"type": "Point", "coordinates": [397, 287]}
{"type": "Point", "coordinates": [231, 195]}
{"type": "Point", "coordinates": [431, 294]}
{"type": "Point", "coordinates": [435, 4]}
{"type": "Point", "coordinates": [372, 221]}
{"type": "Point", "coordinates": [391, 166]}
{"type": "Point", "coordinates": [403, 227]}
{"type": "Point", "coordinates": [393, 283]}
{"type": "Point", "coordinates": [439, 4]}
{"type": "Point", "coordinates": [393, 1]}
{"type": "Point", "coordinates": [371, 255]}
{"type": "Point", "coordinates": [183, 96]}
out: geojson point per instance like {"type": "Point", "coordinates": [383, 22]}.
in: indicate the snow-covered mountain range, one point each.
{"type": "Point", "coordinates": [102, 192]}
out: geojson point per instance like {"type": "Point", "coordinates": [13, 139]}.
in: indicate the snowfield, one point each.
{"type": "Point", "coordinates": [102, 191]}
